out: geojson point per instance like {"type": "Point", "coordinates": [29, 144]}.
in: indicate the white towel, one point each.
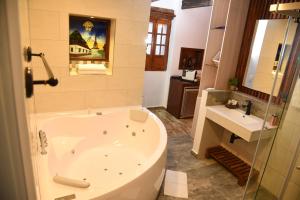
{"type": "Point", "coordinates": [91, 68]}
{"type": "Point", "coordinates": [176, 184]}
{"type": "Point", "coordinates": [90, 72]}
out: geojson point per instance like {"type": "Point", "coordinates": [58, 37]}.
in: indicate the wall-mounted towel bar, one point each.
{"type": "Point", "coordinates": [29, 82]}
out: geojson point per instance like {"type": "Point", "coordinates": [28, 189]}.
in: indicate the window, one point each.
{"type": "Point", "coordinates": [158, 39]}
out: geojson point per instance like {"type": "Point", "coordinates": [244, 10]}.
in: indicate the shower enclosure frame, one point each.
{"type": "Point", "coordinates": [292, 164]}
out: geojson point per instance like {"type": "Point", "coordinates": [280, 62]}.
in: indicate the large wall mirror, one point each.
{"type": "Point", "coordinates": [267, 48]}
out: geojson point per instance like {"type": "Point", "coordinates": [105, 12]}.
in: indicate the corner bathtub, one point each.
{"type": "Point", "coordinates": [119, 158]}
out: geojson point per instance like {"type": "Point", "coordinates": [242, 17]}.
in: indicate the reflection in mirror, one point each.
{"type": "Point", "coordinates": [267, 45]}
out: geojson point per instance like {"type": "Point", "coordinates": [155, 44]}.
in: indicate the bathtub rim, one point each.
{"type": "Point", "coordinates": [41, 118]}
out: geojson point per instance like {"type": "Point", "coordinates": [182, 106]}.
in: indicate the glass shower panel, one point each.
{"type": "Point", "coordinates": [282, 172]}
{"type": "Point", "coordinates": [274, 156]}
{"type": "Point", "coordinates": [292, 189]}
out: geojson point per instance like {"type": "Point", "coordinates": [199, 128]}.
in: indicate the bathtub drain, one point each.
{"type": "Point", "coordinates": [104, 132]}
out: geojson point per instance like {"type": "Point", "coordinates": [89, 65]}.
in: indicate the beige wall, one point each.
{"type": "Point", "coordinates": [49, 31]}
{"type": "Point", "coordinates": [196, 21]}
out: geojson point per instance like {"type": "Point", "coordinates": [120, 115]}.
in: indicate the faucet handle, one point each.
{"type": "Point", "coordinates": [43, 137]}
{"type": "Point", "coordinates": [41, 133]}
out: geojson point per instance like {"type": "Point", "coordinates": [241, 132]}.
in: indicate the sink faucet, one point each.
{"type": "Point", "coordinates": [43, 140]}
{"type": "Point", "coordinates": [248, 106]}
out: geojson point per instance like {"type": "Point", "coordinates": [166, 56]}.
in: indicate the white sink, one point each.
{"type": "Point", "coordinates": [247, 127]}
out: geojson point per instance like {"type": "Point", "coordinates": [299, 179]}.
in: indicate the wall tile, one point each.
{"type": "Point", "coordinates": [140, 10]}
{"type": "Point", "coordinates": [134, 97]}
{"type": "Point", "coordinates": [53, 5]}
{"type": "Point", "coordinates": [129, 56]}
{"type": "Point", "coordinates": [49, 34]}
{"type": "Point", "coordinates": [272, 181]}
{"type": "Point", "coordinates": [58, 102]}
{"type": "Point", "coordinates": [292, 192]}
{"type": "Point", "coordinates": [131, 32]}
{"type": "Point", "coordinates": [106, 98]}
{"type": "Point", "coordinates": [56, 52]}
{"type": "Point", "coordinates": [44, 24]}
{"type": "Point", "coordinates": [126, 78]}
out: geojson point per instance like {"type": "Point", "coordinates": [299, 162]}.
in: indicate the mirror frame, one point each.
{"type": "Point", "coordinates": [259, 10]}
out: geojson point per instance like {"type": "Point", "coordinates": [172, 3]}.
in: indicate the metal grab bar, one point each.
{"type": "Point", "coordinates": [52, 81]}
{"type": "Point", "coordinates": [49, 72]}
{"type": "Point", "coordinates": [29, 82]}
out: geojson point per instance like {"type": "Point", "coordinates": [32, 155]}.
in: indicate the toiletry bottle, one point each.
{"type": "Point", "coordinates": [274, 120]}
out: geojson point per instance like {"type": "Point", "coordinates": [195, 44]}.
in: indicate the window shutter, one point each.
{"type": "Point", "coordinates": [158, 39]}
{"type": "Point", "coordinates": [186, 4]}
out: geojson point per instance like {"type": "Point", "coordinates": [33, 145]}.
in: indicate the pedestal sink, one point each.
{"type": "Point", "coordinates": [247, 127]}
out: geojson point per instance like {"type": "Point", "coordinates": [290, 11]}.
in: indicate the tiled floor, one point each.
{"type": "Point", "coordinates": [207, 180]}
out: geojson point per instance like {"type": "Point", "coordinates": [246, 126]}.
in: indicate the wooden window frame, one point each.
{"type": "Point", "coordinates": [165, 17]}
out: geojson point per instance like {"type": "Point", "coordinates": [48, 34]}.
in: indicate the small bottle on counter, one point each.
{"type": "Point", "coordinates": [274, 120]}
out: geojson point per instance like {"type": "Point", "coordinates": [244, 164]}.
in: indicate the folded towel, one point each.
{"type": "Point", "coordinates": [90, 72]}
{"type": "Point", "coordinates": [91, 67]}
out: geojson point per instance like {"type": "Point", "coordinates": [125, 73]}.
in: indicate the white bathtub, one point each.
{"type": "Point", "coordinates": [120, 158]}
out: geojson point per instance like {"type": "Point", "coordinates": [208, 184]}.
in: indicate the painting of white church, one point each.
{"type": "Point", "coordinates": [88, 39]}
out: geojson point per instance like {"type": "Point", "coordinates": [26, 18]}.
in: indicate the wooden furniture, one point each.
{"type": "Point", "coordinates": [232, 163]}
{"type": "Point", "coordinates": [225, 36]}
{"type": "Point", "coordinates": [158, 39]}
{"type": "Point", "coordinates": [191, 58]}
{"type": "Point", "coordinates": [182, 97]}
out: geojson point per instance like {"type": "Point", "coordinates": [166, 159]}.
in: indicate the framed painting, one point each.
{"type": "Point", "coordinates": [88, 40]}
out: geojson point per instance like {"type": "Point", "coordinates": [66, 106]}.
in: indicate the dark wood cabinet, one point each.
{"type": "Point", "coordinates": [182, 97]}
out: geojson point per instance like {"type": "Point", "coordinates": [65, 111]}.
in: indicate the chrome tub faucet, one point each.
{"type": "Point", "coordinates": [43, 141]}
